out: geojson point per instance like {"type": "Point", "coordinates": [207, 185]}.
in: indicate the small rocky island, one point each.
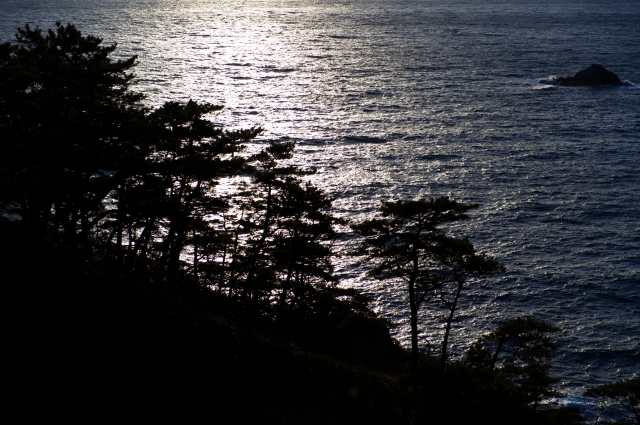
{"type": "Point", "coordinates": [595, 75]}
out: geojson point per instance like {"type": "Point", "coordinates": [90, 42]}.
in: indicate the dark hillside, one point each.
{"type": "Point", "coordinates": [91, 346]}
{"type": "Point", "coordinates": [84, 343]}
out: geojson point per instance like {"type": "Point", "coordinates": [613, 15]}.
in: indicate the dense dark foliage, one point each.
{"type": "Point", "coordinates": [519, 353]}
{"type": "Point", "coordinates": [160, 273]}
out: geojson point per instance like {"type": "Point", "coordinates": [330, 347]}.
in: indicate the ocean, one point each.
{"type": "Point", "coordinates": [398, 99]}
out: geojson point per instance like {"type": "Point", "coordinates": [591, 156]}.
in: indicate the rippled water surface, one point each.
{"type": "Point", "coordinates": [392, 99]}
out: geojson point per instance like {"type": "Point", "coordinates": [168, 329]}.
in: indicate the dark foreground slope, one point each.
{"type": "Point", "coordinates": [84, 343]}
{"type": "Point", "coordinates": [85, 346]}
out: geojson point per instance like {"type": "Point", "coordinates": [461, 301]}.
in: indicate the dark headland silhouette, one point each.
{"type": "Point", "coordinates": [595, 75]}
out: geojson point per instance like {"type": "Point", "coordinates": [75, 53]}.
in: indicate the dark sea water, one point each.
{"type": "Point", "coordinates": [397, 99]}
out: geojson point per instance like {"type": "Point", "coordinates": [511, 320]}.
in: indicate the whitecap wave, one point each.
{"type": "Point", "coordinates": [549, 80]}
{"type": "Point", "coordinates": [544, 87]}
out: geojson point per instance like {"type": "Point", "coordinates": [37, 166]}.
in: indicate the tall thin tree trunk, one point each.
{"type": "Point", "coordinates": [234, 260]}
{"type": "Point", "coordinates": [223, 263]}
{"type": "Point", "coordinates": [495, 358]}
{"type": "Point", "coordinates": [286, 285]}
{"type": "Point", "coordinates": [139, 243]}
{"type": "Point", "coordinates": [258, 249]}
{"type": "Point", "coordinates": [195, 256]}
{"type": "Point", "coordinates": [173, 263]}
{"type": "Point", "coordinates": [445, 340]}
{"type": "Point", "coordinates": [129, 237]}
{"type": "Point", "coordinates": [119, 240]}
{"type": "Point", "coordinates": [414, 305]}
{"type": "Point", "coordinates": [119, 224]}
{"type": "Point", "coordinates": [415, 382]}
{"type": "Point", "coordinates": [142, 258]}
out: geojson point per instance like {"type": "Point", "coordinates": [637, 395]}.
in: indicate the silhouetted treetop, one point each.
{"type": "Point", "coordinates": [66, 113]}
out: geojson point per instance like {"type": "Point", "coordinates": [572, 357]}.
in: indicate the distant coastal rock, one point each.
{"type": "Point", "coordinates": [595, 75]}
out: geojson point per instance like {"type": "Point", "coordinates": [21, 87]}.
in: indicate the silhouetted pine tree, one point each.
{"type": "Point", "coordinates": [68, 121]}
{"type": "Point", "coordinates": [408, 244]}
{"type": "Point", "coordinates": [191, 157]}
{"type": "Point", "coordinates": [301, 252]}
{"type": "Point", "coordinates": [253, 267]}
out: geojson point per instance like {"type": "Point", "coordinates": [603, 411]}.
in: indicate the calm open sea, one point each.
{"type": "Point", "coordinates": [407, 98]}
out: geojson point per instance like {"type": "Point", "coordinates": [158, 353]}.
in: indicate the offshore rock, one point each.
{"type": "Point", "coordinates": [595, 75]}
